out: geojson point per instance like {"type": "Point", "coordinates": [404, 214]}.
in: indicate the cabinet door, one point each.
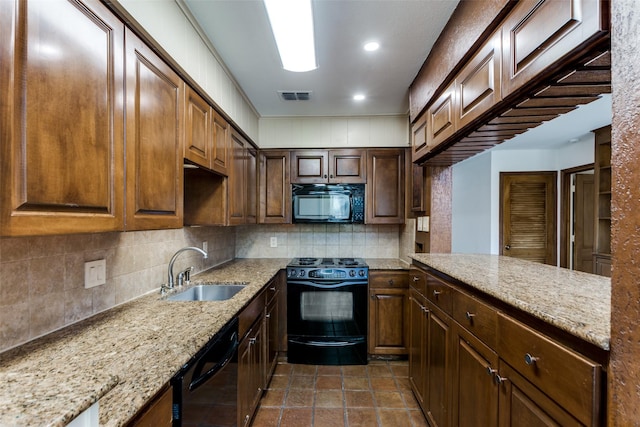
{"type": "Point", "coordinates": [539, 33]}
{"type": "Point", "coordinates": [237, 180]}
{"type": "Point", "coordinates": [347, 166]}
{"type": "Point", "coordinates": [275, 188]}
{"type": "Point", "coordinates": [221, 145]}
{"type": "Point", "coordinates": [309, 167]}
{"type": "Point", "coordinates": [61, 125]}
{"type": "Point", "coordinates": [272, 331]}
{"type": "Point", "coordinates": [418, 186]}
{"type": "Point", "coordinates": [437, 367]}
{"type": "Point", "coordinates": [441, 118]}
{"type": "Point", "coordinates": [478, 84]}
{"type": "Point", "coordinates": [198, 141]}
{"type": "Point", "coordinates": [387, 324]}
{"type": "Point", "coordinates": [523, 405]}
{"type": "Point", "coordinates": [154, 140]}
{"type": "Point", "coordinates": [475, 393]}
{"type": "Point", "coordinates": [159, 413]}
{"type": "Point", "coordinates": [250, 373]}
{"type": "Point", "coordinates": [419, 146]}
{"type": "Point", "coordinates": [385, 187]}
{"type": "Point", "coordinates": [417, 338]}
{"type": "Point", "coordinates": [251, 170]}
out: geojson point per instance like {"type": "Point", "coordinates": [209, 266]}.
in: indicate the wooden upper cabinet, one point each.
{"type": "Point", "coordinates": [538, 33]}
{"type": "Point", "coordinates": [441, 118]}
{"type": "Point", "coordinates": [198, 140]}
{"type": "Point", "coordinates": [243, 181]}
{"type": "Point", "coordinates": [154, 140]}
{"type": "Point", "coordinates": [221, 149]}
{"type": "Point", "coordinates": [251, 168]}
{"type": "Point", "coordinates": [419, 138]}
{"type": "Point", "coordinates": [61, 125]}
{"type": "Point", "coordinates": [275, 188]}
{"type": "Point", "coordinates": [333, 166]}
{"type": "Point", "coordinates": [385, 186]}
{"type": "Point", "coordinates": [478, 84]}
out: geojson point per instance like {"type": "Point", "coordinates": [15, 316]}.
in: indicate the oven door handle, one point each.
{"type": "Point", "coordinates": [201, 378]}
{"type": "Point", "coordinates": [325, 284]}
{"type": "Point", "coordinates": [324, 343]}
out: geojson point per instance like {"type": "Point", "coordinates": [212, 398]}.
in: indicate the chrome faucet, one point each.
{"type": "Point", "coordinates": [171, 282]}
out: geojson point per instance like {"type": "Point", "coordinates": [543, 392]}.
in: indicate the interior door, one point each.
{"type": "Point", "coordinates": [528, 216]}
{"type": "Point", "coordinates": [583, 222]}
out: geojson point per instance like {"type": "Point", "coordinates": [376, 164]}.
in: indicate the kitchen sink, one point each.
{"type": "Point", "coordinates": [207, 293]}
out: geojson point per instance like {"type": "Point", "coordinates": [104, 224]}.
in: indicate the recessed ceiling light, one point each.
{"type": "Point", "coordinates": [358, 97]}
{"type": "Point", "coordinates": [292, 25]}
{"type": "Point", "coordinates": [371, 46]}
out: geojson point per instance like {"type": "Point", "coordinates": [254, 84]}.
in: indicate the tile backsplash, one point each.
{"type": "Point", "coordinates": [42, 278]}
{"type": "Point", "coordinates": [318, 240]}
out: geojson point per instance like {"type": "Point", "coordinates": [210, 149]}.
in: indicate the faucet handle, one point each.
{"type": "Point", "coordinates": [184, 277]}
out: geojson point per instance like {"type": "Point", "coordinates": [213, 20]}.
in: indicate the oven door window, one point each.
{"type": "Point", "coordinates": [326, 306]}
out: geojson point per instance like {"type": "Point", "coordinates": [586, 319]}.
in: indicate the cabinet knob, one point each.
{"type": "Point", "coordinates": [331, 176]}
{"type": "Point", "coordinates": [416, 279]}
{"type": "Point", "coordinates": [436, 293]}
{"type": "Point", "coordinates": [507, 247]}
{"type": "Point", "coordinates": [325, 175]}
{"type": "Point", "coordinates": [390, 282]}
{"type": "Point", "coordinates": [252, 341]}
{"type": "Point", "coordinates": [499, 380]}
{"type": "Point", "coordinates": [491, 372]}
{"type": "Point", "coordinates": [469, 315]}
{"type": "Point", "coordinates": [529, 359]}
{"type": "Point", "coordinates": [268, 316]}
{"type": "Point", "coordinates": [273, 288]}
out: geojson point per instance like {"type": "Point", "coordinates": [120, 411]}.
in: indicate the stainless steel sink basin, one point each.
{"type": "Point", "coordinates": [207, 293]}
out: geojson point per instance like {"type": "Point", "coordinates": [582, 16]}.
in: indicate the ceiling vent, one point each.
{"type": "Point", "coordinates": [298, 95]}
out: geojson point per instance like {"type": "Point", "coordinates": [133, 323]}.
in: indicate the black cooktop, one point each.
{"type": "Point", "coordinates": [327, 262]}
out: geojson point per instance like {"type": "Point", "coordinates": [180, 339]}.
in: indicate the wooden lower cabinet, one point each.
{"type": "Point", "coordinates": [158, 413]}
{"type": "Point", "coordinates": [250, 372]}
{"type": "Point", "coordinates": [388, 313]}
{"type": "Point", "coordinates": [478, 366]}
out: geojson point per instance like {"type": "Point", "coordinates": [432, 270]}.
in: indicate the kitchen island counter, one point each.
{"type": "Point", "coordinates": [121, 357]}
{"type": "Point", "coordinates": [575, 302]}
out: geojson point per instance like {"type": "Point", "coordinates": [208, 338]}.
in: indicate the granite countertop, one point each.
{"type": "Point", "coordinates": [121, 357]}
{"type": "Point", "coordinates": [386, 264]}
{"type": "Point", "coordinates": [576, 302]}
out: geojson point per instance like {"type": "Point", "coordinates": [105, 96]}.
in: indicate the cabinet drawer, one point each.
{"type": "Point", "coordinates": [440, 294]}
{"type": "Point", "coordinates": [569, 378]}
{"type": "Point", "coordinates": [418, 280]}
{"type": "Point", "coordinates": [251, 313]}
{"type": "Point", "coordinates": [477, 317]}
{"type": "Point", "coordinates": [388, 279]}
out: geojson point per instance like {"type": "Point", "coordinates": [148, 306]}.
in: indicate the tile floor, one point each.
{"type": "Point", "coordinates": [378, 394]}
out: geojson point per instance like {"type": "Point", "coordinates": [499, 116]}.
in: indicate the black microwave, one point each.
{"type": "Point", "coordinates": [328, 203]}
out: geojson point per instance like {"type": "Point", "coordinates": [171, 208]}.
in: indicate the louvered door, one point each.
{"type": "Point", "coordinates": [528, 216]}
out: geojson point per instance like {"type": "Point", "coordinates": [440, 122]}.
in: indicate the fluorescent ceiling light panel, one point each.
{"type": "Point", "coordinates": [292, 26]}
{"type": "Point", "coordinates": [371, 46]}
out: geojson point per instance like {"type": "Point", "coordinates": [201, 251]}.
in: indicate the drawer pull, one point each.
{"type": "Point", "coordinates": [273, 288]}
{"type": "Point", "coordinates": [469, 315]}
{"type": "Point", "coordinates": [529, 359]}
{"type": "Point", "coordinates": [252, 341]}
{"type": "Point", "coordinates": [436, 293]}
{"type": "Point", "coordinates": [491, 372]}
{"type": "Point", "coordinates": [416, 279]}
{"type": "Point", "coordinates": [390, 282]}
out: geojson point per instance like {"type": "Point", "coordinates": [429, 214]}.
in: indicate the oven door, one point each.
{"type": "Point", "coordinates": [327, 309]}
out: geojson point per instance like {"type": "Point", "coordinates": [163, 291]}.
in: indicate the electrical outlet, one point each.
{"type": "Point", "coordinates": [205, 246]}
{"type": "Point", "coordinates": [274, 242]}
{"type": "Point", "coordinates": [95, 273]}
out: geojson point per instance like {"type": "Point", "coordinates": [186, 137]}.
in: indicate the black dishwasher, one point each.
{"type": "Point", "coordinates": [205, 391]}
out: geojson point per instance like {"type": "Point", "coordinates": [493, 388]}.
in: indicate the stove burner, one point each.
{"type": "Point", "coordinates": [307, 261]}
{"type": "Point", "coordinates": [349, 262]}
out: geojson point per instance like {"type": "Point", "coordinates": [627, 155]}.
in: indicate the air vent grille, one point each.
{"type": "Point", "coordinates": [295, 95]}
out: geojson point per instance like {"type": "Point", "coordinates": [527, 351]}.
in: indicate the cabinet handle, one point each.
{"type": "Point", "coordinates": [491, 372]}
{"type": "Point", "coordinates": [416, 279]}
{"type": "Point", "coordinates": [273, 288]}
{"type": "Point", "coordinates": [268, 316]}
{"type": "Point", "coordinates": [507, 247]}
{"type": "Point", "coordinates": [436, 293]}
{"type": "Point", "coordinates": [390, 282]}
{"type": "Point", "coordinates": [325, 175]}
{"type": "Point", "coordinates": [499, 380]}
{"type": "Point", "coordinates": [529, 359]}
{"type": "Point", "coordinates": [469, 315]}
{"type": "Point", "coordinates": [331, 176]}
{"type": "Point", "coordinates": [252, 341]}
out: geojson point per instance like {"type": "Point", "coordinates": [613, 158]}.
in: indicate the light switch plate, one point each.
{"type": "Point", "coordinates": [95, 273]}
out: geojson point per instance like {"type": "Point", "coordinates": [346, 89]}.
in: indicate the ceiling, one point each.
{"type": "Point", "coordinates": [406, 30]}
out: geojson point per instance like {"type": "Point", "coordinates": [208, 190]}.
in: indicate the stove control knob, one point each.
{"type": "Point", "coordinates": [352, 273]}
{"type": "Point", "coordinates": [292, 273]}
{"type": "Point", "coordinates": [361, 273]}
{"type": "Point", "coordinates": [301, 273]}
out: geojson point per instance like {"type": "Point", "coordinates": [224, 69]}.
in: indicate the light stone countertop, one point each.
{"type": "Point", "coordinates": [121, 357]}
{"type": "Point", "coordinates": [124, 356]}
{"type": "Point", "coordinates": [576, 302]}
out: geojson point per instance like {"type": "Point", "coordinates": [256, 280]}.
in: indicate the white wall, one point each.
{"type": "Point", "coordinates": [170, 26]}
{"type": "Point", "coordinates": [476, 189]}
{"type": "Point", "coordinates": [327, 132]}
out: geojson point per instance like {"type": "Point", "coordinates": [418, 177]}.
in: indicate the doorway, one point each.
{"type": "Point", "coordinates": [528, 216]}
{"type": "Point", "coordinates": [577, 212]}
